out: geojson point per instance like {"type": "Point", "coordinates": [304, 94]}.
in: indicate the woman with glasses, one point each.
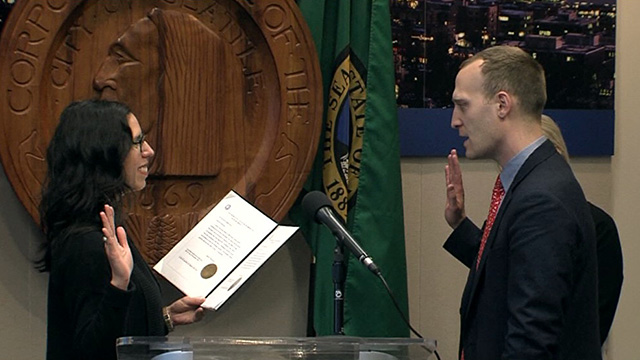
{"type": "Point", "coordinates": [100, 287]}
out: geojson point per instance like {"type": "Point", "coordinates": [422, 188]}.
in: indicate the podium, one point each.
{"type": "Point", "coordinates": [264, 348]}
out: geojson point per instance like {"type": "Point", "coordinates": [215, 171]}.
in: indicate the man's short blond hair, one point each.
{"type": "Point", "coordinates": [510, 69]}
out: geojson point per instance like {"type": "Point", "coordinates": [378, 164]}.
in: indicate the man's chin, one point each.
{"type": "Point", "coordinates": [475, 155]}
{"type": "Point", "coordinates": [468, 153]}
{"type": "Point", "coordinates": [471, 154]}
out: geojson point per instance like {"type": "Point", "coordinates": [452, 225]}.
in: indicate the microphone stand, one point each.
{"type": "Point", "coordinates": [339, 276]}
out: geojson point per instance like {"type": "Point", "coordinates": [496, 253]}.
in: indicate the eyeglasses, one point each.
{"type": "Point", "coordinates": [139, 140]}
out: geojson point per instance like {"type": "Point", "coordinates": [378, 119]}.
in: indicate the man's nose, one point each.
{"type": "Point", "coordinates": [455, 121]}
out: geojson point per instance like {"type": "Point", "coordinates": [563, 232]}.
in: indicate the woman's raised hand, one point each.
{"type": "Point", "coordinates": [117, 249]}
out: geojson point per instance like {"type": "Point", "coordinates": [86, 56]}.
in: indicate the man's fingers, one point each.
{"type": "Point", "coordinates": [452, 198]}
{"type": "Point", "coordinates": [455, 174]}
{"type": "Point", "coordinates": [447, 175]}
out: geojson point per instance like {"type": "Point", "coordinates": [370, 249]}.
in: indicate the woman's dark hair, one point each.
{"type": "Point", "coordinates": [84, 170]}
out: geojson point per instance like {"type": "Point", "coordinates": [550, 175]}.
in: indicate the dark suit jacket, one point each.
{"type": "Point", "coordinates": [534, 295]}
{"type": "Point", "coordinates": [609, 268]}
{"type": "Point", "coordinates": [85, 313]}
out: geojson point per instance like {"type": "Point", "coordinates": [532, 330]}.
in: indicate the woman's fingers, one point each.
{"type": "Point", "coordinates": [116, 248]}
{"type": "Point", "coordinates": [108, 223]}
{"type": "Point", "coordinates": [122, 237]}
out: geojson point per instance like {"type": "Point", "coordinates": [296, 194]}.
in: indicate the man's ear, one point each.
{"type": "Point", "coordinates": [504, 103]}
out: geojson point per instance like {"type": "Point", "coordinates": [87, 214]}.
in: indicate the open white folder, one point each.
{"type": "Point", "coordinates": [223, 250]}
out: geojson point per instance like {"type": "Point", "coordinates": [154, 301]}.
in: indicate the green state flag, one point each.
{"type": "Point", "coordinates": [358, 166]}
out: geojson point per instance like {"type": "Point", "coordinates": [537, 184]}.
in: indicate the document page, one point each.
{"type": "Point", "coordinates": [242, 273]}
{"type": "Point", "coordinates": [215, 246]}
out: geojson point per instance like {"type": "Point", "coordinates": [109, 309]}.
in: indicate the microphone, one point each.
{"type": "Point", "coordinates": [317, 205]}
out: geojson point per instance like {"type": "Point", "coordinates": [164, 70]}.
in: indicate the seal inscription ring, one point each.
{"type": "Point", "coordinates": [228, 92]}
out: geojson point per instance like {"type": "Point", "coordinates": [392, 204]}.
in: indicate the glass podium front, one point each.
{"type": "Point", "coordinates": [261, 348]}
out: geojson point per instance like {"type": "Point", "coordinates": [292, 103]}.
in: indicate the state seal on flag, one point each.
{"type": "Point", "coordinates": [344, 132]}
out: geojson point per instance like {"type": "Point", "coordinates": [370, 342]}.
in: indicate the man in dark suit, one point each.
{"type": "Point", "coordinates": [608, 248]}
{"type": "Point", "coordinates": [532, 289]}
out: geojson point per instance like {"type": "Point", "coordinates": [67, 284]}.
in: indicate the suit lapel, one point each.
{"type": "Point", "coordinates": [542, 153]}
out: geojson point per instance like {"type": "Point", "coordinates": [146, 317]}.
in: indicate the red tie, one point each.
{"type": "Point", "coordinates": [496, 198]}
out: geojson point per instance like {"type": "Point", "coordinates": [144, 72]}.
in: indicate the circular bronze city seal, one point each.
{"type": "Point", "coordinates": [208, 271]}
{"type": "Point", "coordinates": [228, 93]}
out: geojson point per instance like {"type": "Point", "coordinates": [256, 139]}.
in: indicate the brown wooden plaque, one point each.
{"type": "Point", "coordinates": [229, 93]}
